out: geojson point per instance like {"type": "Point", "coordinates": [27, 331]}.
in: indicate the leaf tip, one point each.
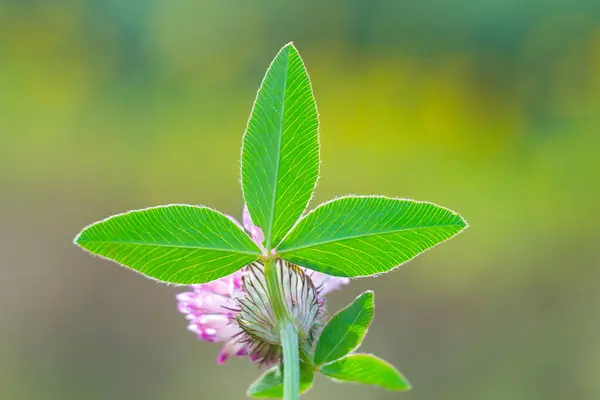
{"type": "Point", "coordinates": [368, 295]}
{"type": "Point", "coordinates": [405, 386]}
{"type": "Point", "coordinates": [291, 49]}
{"type": "Point", "coordinates": [77, 238]}
{"type": "Point", "coordinates": [464, 221]}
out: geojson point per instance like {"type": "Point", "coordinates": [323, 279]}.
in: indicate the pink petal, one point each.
{"type": "Point", "coordinates": [213, 328]}
{"type": "Point", "coordinates": [247, 219]}
{"type": "Point", "coordinates": [205, 303]}
{"type": "Point", "coordinates": [326, 283]}
{"type": "Point", "coordinates": [223, 286]}
{"type": "Point", "coordinates": [231, 348]}
{"type": "Point", "coordinates": [255, 232]}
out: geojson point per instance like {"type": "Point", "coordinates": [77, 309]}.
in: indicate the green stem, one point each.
{"type": "Point", "coordinates": [291, 363]}
{"type": "Point", "coordinates": [275, 293]}
{"type": "Point", "coordinates": [288, 334]}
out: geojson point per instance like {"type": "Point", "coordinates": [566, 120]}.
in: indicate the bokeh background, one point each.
{"type": "Point", "coordinates": [491, 108]}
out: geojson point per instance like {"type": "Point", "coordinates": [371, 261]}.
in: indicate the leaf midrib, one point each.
{"type": "Point", "coordinates": [178, 246]}
{"type": "Point", "coordinates": [269, 235]}
{"type": "Point", "coordinates": [384, 233]}
{"type": "Point", "coordinates": [360, 313]}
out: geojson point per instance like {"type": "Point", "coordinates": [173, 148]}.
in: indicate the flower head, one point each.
{"type": "Point", "coordinates": [236, 310]}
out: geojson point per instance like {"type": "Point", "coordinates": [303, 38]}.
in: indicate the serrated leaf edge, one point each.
{"type": "Point", "coordinates": [312, 91]}
{"type": "Point", "coordinates": [75, 240]}
{"type": "Point", "coordinates": [351, 196]}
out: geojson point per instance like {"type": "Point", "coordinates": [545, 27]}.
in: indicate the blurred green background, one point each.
{"type": "Point", "coordinates": [490, 108]}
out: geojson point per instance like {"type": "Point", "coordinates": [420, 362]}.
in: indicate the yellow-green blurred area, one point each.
{"type": "Point", "coordinates": [490, 108]}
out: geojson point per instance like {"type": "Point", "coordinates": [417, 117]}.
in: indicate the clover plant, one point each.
{"type": "Point", "coordinates": [258, 286]}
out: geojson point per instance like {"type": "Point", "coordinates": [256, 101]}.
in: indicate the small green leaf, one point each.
{"type": "Point", "coordinates": [280, 151]}
{"type": "Point", "coordinates": [176, 243]}
{"type": "Point", "coordinates": [270, 384]}
{"type": "Point", "coordinates": [367, 369]}
{"type": "Point", "coordinates": [366, 235]}
{"type": "Point", "coordinates": [346, 330]}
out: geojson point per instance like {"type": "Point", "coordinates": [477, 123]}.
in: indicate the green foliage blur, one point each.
{"type": "Point", "coordinates": [490, 108]}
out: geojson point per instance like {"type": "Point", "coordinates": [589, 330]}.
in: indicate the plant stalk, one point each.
{"type": "Point", "coordinates": [275, 292]}
{"type": "Point", "coordinates": [288, 334]}
{"type": "Point", "coordinates": [291, 362]}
